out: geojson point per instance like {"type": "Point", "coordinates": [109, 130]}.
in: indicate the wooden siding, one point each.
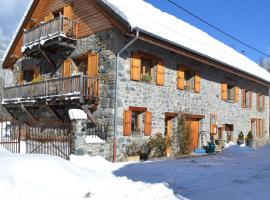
{"type": "Point", "coordinates": [90, 19]}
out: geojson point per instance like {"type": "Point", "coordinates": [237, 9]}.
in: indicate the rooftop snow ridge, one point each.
{"type": "Point", "coordinates": [165, 26]}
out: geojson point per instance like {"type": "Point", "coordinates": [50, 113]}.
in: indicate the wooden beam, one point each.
{"type": "Point", "coordinates": [49, 61]}
{"type": "Point", "coordinates": [137, 109]}
{"type": "Point", "coordinates": [28, 113]}
{"type": "Point", "coordinates": [170, 114]}
{"type": "Point", "coordinates": [89, 114]}
{"type": "Point", "coordinates": [54, 112]}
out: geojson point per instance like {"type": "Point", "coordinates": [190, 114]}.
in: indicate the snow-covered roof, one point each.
{"type": "Point", "coordinates": [142, 15]}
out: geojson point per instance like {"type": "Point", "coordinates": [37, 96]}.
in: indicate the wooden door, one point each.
{"type": "Point", "coordinates": [168, 134]}
{"type": "Point", "coordinates": [194, 126]}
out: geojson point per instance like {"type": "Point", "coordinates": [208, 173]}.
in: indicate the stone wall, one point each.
{"type": "Point", "coordinates": [167, 98]}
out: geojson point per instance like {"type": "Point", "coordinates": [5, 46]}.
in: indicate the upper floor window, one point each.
{"type": "Point", "coordinates": [147, 68]}
{"type": "Point", "coordinates": [188, 80]}
{"type": "Point", "coordinates": [260, 102]}
{"type": "Point", "coordinates": [27, 76]}
{"type": "Point", "coordinates": [230, 92]}
{"type": "Point", "coordinates": [246, 98]}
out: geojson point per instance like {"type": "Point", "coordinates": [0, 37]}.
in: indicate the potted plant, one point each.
{"type": "Point", "coordinates": [132, 152]}
{"type": "Point", "coordinates": [249, 139]}
{"type": "Point", "coordinates": [240, 139]}
{"type": "Point", "coordinates": [147, 77]}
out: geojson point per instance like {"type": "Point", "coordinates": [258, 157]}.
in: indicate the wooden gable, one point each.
{"type": "Point", "coordinates": [90, 20]}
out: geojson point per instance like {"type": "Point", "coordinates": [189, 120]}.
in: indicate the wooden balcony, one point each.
{"type": "Point", "coordinates": [75, 88]}
{"type": "Point", "coordinates": [57, 30]}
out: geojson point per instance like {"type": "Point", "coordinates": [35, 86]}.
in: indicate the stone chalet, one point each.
{"type": "Point", "coordinates": [132, 67]}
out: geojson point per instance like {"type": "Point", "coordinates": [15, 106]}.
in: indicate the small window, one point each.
{"type": "Point", "coordinates": [230, 93]}
{"type": "Point", "coordinates": [28, 75]}
{"type": "Point", "coordinates": [189, 80]}
{"type": "Point", "coordinates": [136, 123]}
{"type": "Point", "coordinates": [147, 69]}
{"type": "Point", "coordinates": [58, 12]}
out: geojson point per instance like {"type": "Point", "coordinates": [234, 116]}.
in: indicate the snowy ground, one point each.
{"type": "Point", "coordinates": [237, 173]}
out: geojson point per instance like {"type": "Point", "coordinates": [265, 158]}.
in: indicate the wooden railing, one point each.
{"type": "Point", "coordinates": [79, 85]}
{"type": "Point", "coordinates": [59, 26]}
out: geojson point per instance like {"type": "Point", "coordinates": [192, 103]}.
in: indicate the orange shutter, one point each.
{"type": "Point", "coordinates": [262, 127]}
{"type": "Point", "coordinates": [257, 127]}
{"type": "Point", "coordinates": [197, 81]}
{"type": "Point", "coordinates": [135, 69]}
{"type": "Point", "coordinates": [21, 78]}
{"type": "Point", "coordinates": [160, 73]}
{"type": "Point", "coordinates": [258, 102]}
{"type": "Point", "coordinates": [250, 99]}
{"type": "Point", "coordinates": [243, 98]}
{"type": "Point", "coordinates": [93, 67]}
{"type": "Point", "coordinates": [263, 102]}
{"type": "Point", "coordinates": [224, 91]}
{"type": "Point", "coordinates": [36, 73]}
{"type": "Point", "coordinates": [93, 71]}
{"type": "Point", "coordinates": [148, 124]}
{"type": "Point", "coordinates": [68, 11]}
{"type": "Point", "coordinates": [236, 94]}
{"type": "Point", "coordinates": [49, 17]}
{"type": "Point", "coordinates": [180, 79]}
{"type": "Point", "coordinates": [67, 68]}
{"type": "Point", "coordinates": [127, 122]}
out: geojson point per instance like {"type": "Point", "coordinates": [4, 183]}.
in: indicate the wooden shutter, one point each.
{"type": "Point", "coordinates": [197, 82]}
{"type": "Point", "coordinates": [135, 69]}
{"type": "Point", "coordinates": [160, 73]}
{"type": "Point", "coordinates": [250, 99]}
{"type": "Point", "coordinates": [21, 78]}
{"type": "Point", "coordinates": [49, 17]}
{"type": "Point", "coordinates": [224, 91]}
{"type": "Point", "coordinates": [148, 124]}
{"type": "Point", "coordinates": [68, 11]}
{"type": "Point", "coordinates": [127, 122]}
{"type": "Point", "coordinates": [93, 71]}
{"type": "Point", "coordinates": [263, 102]}
{"type": "Point", "coordinates": [180, 79]}
{"type": "Point", "coordinates": [243, 98]}
{"type": "Point", "coordinates": [236, 94]}
{"type": "Point", "coordinates": [93, 67]}
{"type": "Point", "coordinates": [257, 127]}
{"type": "Point", "coordinates": [36, 73]}
{"type": "Point", "coordinates": [258, 102]}
{"type": "Point", "coordinates": [67, 68]}
{"type": "Point", "coordinates": [262, 127]}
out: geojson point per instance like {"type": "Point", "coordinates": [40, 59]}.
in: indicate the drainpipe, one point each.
{"type": "Point", "coordinates": [116, 91]}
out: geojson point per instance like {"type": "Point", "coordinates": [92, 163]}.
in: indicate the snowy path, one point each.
{"type": "Point", "coordinates": [236, 174]}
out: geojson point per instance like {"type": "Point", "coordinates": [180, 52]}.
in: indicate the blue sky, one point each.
{"type": "Point", "coordinates": [247, 20]}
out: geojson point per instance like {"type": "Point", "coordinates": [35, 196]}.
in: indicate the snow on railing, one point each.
{"type": "Point", "coordinates": [58, 26]}
{"type": "Point", "coordinates": [78, 85]}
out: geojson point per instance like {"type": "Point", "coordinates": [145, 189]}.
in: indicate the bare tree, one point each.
{"type": "Point", "coordinates": [265, 63]}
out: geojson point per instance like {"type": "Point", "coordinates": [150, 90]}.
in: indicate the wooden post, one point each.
{"type": "Point", "coordinates": [81, 87]}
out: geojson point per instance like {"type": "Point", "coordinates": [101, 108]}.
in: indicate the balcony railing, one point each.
{"type": "Point", "coordinates": [79, 86]}
{"type": "Point", "coordinates": [59, 26]}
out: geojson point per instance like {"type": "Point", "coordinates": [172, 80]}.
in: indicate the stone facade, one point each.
{"type": "Point", "coordinates": [157, 99]}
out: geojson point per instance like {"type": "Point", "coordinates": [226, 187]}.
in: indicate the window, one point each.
{"type": "Point", "coordinates": [230, 92]}
{"type": "Point", "coordinates": [260, 102]}
{"type": "Point", "coordinates": [28, 75]}
{"type": "Point", "coordinates": [188, 80]}
{"type": "Point", "coordinates": [147, 68]}
{"type": "Point", "coordinates": [246, 98]}
{"type": "Point", "coordinates": [137, 121]}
